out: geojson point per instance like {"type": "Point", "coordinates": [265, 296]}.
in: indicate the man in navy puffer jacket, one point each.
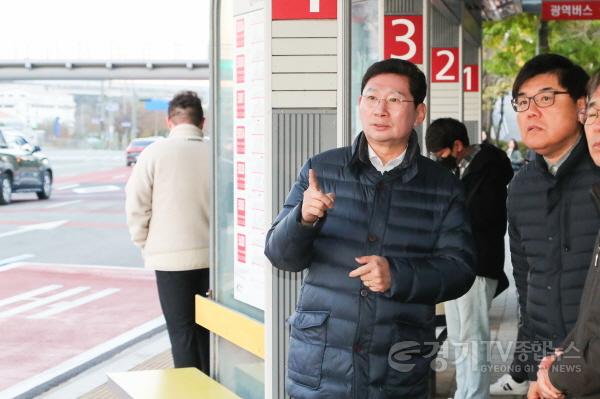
{"type": "Point", "coordinates": [382, 231]}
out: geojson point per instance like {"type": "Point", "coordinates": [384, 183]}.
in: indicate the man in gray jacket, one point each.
{"type": "Point", "coordinates": [168, 210]}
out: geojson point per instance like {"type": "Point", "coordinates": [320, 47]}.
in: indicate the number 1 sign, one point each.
{"type": "Point", "coordinates": [471, 78]}
{"type": "Point", "coordinates": [304, 9]}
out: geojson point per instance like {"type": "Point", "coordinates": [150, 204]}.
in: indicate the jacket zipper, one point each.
{"type": "Point", "coordinates": [596, 256]}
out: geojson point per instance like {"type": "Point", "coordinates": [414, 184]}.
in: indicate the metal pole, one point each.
{"type": "Point", "coordinates": [542, 46]}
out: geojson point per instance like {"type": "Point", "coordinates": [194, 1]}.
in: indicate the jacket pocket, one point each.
{"type": "Point", "coordinates": [307, 347]}
{"type": "Point", "coordinates": [409, 360]}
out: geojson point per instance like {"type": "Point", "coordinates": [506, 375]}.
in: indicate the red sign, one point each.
{"type": "Point", "coordinates": [239, 32]}
{"type": "Point", "coordinates": [304, 9]}
{"type": "Point", "coordinates": [241, 248]}
{"type": "Point", "coordinates": [240, 140]}
{"type": "Point", "coordinates": [444, 65]}
{"type": "Point", "coordinates": [403, 37]}
{"type": "Point", "coordinates": [471, 78]}
{"type": "Point", "coordinates": [241, 176]}
{"type": "Point", "coordinates": [570, 10]}
{"type": "Point", "coordinates": [240, 102]}
{"type": "Point", "coordinates": [240, 69]}
{"type": "Point", "coordinates": [241, 211]}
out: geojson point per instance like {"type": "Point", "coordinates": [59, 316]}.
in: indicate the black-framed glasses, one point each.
{"type": "Point", "coordinates": [590, 116]}
{"type": "Point", "coordinates": [392, 101]}
{"type": "Point", "coordinates": [542, 100]}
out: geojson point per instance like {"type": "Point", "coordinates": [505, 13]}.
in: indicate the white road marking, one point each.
{"type": "Point", "coordinates": [60, 204]}
{"type": "Point", "coordinates": [66, 187]}
{"type": "Point", "coordinates": [96, 189]}
{"type": "Point", "coordinates": [43, 301]}
{"type": "Point", "coordinates": [32, 227]}
{"type": "Point", "coordinates": [29, 294]}
{"type": "Point", "coordinates": [75, 265]}
{"type": "Point", "coordinates": [7, 261]}
{"type": "Point", "coordinates": [66, 305]}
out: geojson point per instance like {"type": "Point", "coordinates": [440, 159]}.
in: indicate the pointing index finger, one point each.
{"type": "Point", "coordinates": [312, 180]}
{"type": "Point", "coordinates": [359, 271]}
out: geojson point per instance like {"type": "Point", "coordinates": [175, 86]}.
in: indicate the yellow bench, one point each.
{"type": "Point", "coordinates": [185, 383]}
{"type": "Point", "coordinates": [235, 327]}
{"type": "Point", "coordinates": [190, 383]}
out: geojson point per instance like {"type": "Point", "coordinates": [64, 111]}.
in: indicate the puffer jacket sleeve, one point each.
{"type": "Point", "coordinates": [520, 272]}
{"type": "Point", "coordinates": [445, 274]}
{"type": "Point", "coordinates": [289, 242]}
{"type": "Point", "coordinates": [577, 372]}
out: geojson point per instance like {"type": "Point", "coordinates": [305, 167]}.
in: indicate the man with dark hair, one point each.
{"type": "Point", "coordinates": [186, 107]}
{"type": "Point", "coordinates": [485, 171]}
{"type": "Point", "coordinates": [574, 369]}
{"type": "Point", "coordinates": [552, 222]}
{"type": "Point", "coordinates": [168, 212]}
{"type": "Point", "coordinates": [382, 232]}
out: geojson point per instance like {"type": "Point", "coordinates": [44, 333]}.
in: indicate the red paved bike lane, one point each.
{"type": "Point", "coordinates": [53, 317]}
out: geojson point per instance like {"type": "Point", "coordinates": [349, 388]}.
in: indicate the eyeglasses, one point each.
{"type": "Point", "coordinates": [392, 102]}
{"type": "Point", "coordinates": [542, 100]}
{"type": "Point", "coordinates": [590, 116]}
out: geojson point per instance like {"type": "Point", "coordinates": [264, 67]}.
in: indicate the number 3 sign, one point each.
{"type": "Point", "coordinates": [444, 65]}
{"type": "Point", "coordinates": [403, 37]}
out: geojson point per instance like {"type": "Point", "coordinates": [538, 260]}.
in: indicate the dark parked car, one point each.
{"type": "Point", "coordinates": [135, 148]}
{"type": "Point", "coordinates": [23, 168]}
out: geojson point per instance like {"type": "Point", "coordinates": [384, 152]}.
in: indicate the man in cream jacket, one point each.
{"type": "Point", "coordinates": [168, 208]}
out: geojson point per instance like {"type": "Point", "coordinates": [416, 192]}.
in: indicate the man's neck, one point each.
{"type": "Point", "coordinates": [557, 155]}
{"type": "Point", "coordinates": [386, 153]}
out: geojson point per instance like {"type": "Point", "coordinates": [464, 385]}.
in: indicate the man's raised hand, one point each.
{"type": "Point", "coordinates": [315, 204]}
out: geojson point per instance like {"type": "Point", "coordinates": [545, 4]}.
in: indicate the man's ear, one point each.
{"type": "Point", "coordinates": [421, 112]}
{"type": "Point", "coordinates": [170, 123]}
{"type": "Point", "coordinates": [581, 105]}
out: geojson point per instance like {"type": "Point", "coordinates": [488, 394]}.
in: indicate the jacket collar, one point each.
{"type": "Point", "coordinates": [408, 167]}
{"type": "Point", "coordinates": [490, 159]}
{"type": "Point", "coordinates": [578, 152]}
{"type": "Point", "coordinates": [185, 130]}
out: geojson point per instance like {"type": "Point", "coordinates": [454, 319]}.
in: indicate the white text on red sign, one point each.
{"type": "Point", "coordinates": [444, 65]}
{"type": "Point", "coordinates": [304, 9]}
{"type": "Point", "coordinates": [403, 37]}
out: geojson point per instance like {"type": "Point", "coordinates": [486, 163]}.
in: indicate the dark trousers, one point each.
{"type": "Point", "coordinates": [518, 368]}
{"type": "Point", "coordinates": [189, 342]}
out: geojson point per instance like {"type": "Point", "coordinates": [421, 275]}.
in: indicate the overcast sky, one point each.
{"type": "Point", "coordinates": [104, 30]}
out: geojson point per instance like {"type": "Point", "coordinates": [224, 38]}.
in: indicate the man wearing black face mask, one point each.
{"type": "Point", "coordinates": [485, 172]}
{"type": "Point", "coordinates": [448, 161]}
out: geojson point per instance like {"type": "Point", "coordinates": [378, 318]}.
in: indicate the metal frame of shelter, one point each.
{"type": "Point", "coordinates": [103, 70]}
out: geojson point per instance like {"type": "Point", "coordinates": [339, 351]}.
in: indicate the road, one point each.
{"type": "Point", "coordinates": [72, 286]}
{"type": "Point", "coordinates": [84, 220]}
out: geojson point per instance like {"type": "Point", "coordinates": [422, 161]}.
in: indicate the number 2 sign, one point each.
{"type": "Point", "coordinates": [403, 37]}
{"type": "Point", "coordinates": [444, 65]}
